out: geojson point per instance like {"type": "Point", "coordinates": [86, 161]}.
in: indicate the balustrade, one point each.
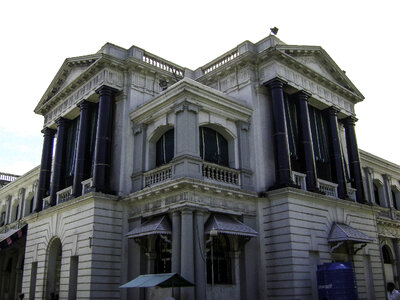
{"type": "Point", "coordinates": [221, 174]}
{"type": "Point", "coordinates": [219, 62]}
{"type": "Point", "coordinates": [299, 179]}
{"type": "Point", "coordinates": [64, 195]}
{"type": "Point", "coordinates": [87, 186]}
{"type": "Point", "coordinates": [158, 175]}
{"type": "Point", "coordinates": [329, 188]}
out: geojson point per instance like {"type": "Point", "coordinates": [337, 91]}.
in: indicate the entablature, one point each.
{"type": "Point", "coordinates": [195, 193]}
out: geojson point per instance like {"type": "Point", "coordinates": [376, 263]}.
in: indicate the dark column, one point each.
{"type": "Point", "coordinates": [336, 153]}
{"type": "Point", "coordinates": [102, 157]}
{"type": "Point", "coordinates": [59, 172]}
{"type": "Point", "coordinates": [282, 155]}
{"type": "Point", "coordinates": [306, 141]}
{"type": "Point", "coordinates": [45, 167]}
{"type": "Point", "coordinates": [354, 158]}
{"type": "Point", "coordinates": [82, 147]}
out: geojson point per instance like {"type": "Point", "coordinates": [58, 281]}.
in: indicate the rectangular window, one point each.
{"type": "Point", "coordinates": [319, 132]}
{"type": "Point", "coordinates": [296, 152]}
{"type": "Point", "coordinates": [32, 288]}
{"type": "Point", "coordinates": [73, 277]}
{"type": "Point", "coordinates": [70, 155]}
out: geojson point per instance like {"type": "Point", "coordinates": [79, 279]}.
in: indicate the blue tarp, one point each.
{"type": "Point", "coordinates": [164, 280]}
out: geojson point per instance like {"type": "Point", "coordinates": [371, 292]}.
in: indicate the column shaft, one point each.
{"type": "Point", "coordinates": [199, 253]}
{"type": "Point", "coordinates": [82, 149]}
{"type": "Point", "coordinates": [336, 153]}
{"type": "Point", "coordinates": [187, 261]}
{"type": "Point", "coordinates": [45, 167]}
{"type": "Point", "coordinates": [282, 155]}
{"type": "Point", "coordinates": [354, 158]}
{"type": "Point", "coordinates": [59, 165]}
{"type": "Point", "coordinates": [102, 158]}
{"type": "Point", "coordinates": [306, 141]}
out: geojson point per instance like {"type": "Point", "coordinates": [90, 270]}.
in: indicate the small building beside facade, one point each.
{"type": "Point", "coordinates": [243, 176]}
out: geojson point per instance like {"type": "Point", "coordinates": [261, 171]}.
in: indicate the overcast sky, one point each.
{"type": "Point", "coordinates": [36, 36]}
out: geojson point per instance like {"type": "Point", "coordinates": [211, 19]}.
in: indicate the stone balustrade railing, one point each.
{"type": "Point", "coordinates": [299, 179]}
{"type": "Point", "coordinates": [158, 175]}
{"type": "Point", "coordinates": [220, 61]}
{"type": "Point", "coordinates": [64, 195]}
{"type": "Point", "coordinates": [87, 186]}
{"type": "Point", "coordinates": [352, 193]}
{"type": "Point", "coordinates": [219, 173]}
{"type": "Point", "coordinates": [329, 188]}
{"type": "Point", "coordinates": [162, 64]}
{"type": "Point", "coordinates": [46, 202]}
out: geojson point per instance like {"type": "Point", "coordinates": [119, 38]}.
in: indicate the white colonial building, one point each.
{"type": "Point", "coordinates": [242, 176]}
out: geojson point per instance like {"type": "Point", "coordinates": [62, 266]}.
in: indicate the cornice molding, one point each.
{"type": "Point", "coordinates": [195, 93]}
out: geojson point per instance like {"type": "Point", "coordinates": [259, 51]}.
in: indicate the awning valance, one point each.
{"type": "Point", "coordinates": [156, 225]}
{"type": "Point", "coordinates": [342, 233]}
{"type": "Point", "coordinates": [164, 280]}
{"type": "Point", "coordinates": [11, 236]}
{"type": "Point", "coordinates": [228, 225]}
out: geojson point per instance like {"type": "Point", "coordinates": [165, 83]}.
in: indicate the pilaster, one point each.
{"type": "Point", "coordinates": [186, 162]}
{"type": "Point", "coordinates": [244, 155]}
{"type": "Point", "coordinates": [139, 155]}
{"type": "Point", "coordinates": [187, 257]}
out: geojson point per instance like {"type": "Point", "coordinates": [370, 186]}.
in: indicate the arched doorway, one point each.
{"type": "Point", "coordinates": [388, 261]}
{"type": "Point", "coordinates": [53, 269]}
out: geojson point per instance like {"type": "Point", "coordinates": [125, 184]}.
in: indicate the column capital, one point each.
{"type": "Point", "coordinates": [61, 121]}
{"type": "Point", "coordinates": [48, 132]}
{"type": "Point", "coordinates": [83, 104]}
{"type": "Point", "coordinates": [351, 120]}
{"type": "Point", "coordinates": [106, 90]}
{"type": "Point", "coordinates": [185, 105]}
{"type": "Point", "coordinates": [303, 95]}
{"type": "Point", "coordinates": [243, 125]}
{"type": "Point", "coordinates": [138, 128]}
{"type": "Point", "coordinates": [275, 83]}
{"type": "Point", "coordinates": [333, 110]}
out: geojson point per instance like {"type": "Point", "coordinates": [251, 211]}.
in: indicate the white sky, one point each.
{"type": "Point", "coordinates": [36, 36]}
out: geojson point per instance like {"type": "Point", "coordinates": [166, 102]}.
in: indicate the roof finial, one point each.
{"type": "Point", "coordinates": [274, 30]}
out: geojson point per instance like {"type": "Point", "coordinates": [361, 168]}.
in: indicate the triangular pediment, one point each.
{"type": "Point", "coordinates": [71, 69]}
{"type": "Point", "coordinates": [317, 60]}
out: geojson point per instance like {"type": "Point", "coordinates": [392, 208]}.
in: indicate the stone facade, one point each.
{"type": "Point", "coordinates": [234, 175]}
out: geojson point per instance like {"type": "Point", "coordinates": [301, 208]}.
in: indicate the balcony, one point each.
{"type": "Point", "coordinates": [220, 174]}
{"type": "Point", "coordinates": [299, 179]}
{"type": "Point", "coordinates": [158, 175]}
{"type": "Point", "coordinates": [64, 195]}
{"type": "Point", "coordinates": [210, 172]}
{"type": "Point", "coordinates": [329, 188]}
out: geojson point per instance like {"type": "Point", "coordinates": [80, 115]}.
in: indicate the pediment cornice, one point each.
{"type": "Point", "coordinates": [337, 81]}
{"type": "Point", "coordinates": [193, 92]}
{"type": "Point", "coordinates": [55, 94]}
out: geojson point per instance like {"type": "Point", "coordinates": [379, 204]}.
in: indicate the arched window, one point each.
{"type": "Point", "coordinates": [165, 148]}
{"type": "Point", "coordinates": [164, 254]}
{"type": "Point", "coordinates": [376, 194]}
{"type": "Point", "coordinates": [387, 258]}
{"type": "Point", "coordinates": [213, 147]}
{"type": "Point", "coordinates": [53, 269]}
{"type": "Point", "coordinates": [394, 198]}
{"type": "Point", "coordinates": [218, 260]}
